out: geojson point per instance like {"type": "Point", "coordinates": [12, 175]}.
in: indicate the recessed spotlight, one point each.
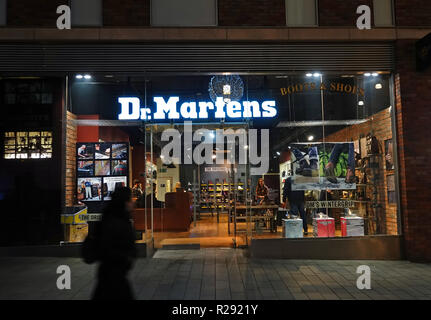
{"type": "Point", "coordinates": [309, 75]}
{"type": "Point", "coordinates": [87, 76]}
{"type": "Point", "coordinates": [361, 103]}
{"type": "Point", "coordinates": [375, 74]}
{"type": "Point", "coordinates": [367, 74]}
{"type": "Point", "coordinates": [316, 75]}
{"type": "Point", "coordinates": [379, 86]}
{"type": "Point", "coordinates": [79, 76]}
{"type": "Point", "coordinates": [310, 138]}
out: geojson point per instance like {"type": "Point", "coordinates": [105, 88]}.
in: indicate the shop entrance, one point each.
{"type": "Point", "coordinates": [198, 192]}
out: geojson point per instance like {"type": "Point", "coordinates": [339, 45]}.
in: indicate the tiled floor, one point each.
{"type": "Point", "coordinates": [222, 274]}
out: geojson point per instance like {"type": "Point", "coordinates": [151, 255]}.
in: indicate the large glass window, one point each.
{"type": "Point", "coordinates": [86, 13]}
{"type": "Point", "coordinates": [28, 145]}
{"type": "Point", "coordinates": [185, 13]}
{"type": "Point", "coordinates": [3, 14]}
{"type": "Point", "coordinates": [301, 13]}
{"type": "Point", "coordinates": [383, 13]}
{"type": "Point", "coordinates": [336, 151]}
{"type": "Point", "coordinates": [318, 149]}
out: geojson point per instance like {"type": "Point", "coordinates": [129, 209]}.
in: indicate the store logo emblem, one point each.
{"type": "Point", "coordinates": [168, 109]}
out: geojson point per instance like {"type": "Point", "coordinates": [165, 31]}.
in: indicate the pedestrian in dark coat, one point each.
{"type": "Point", "coordinates": [116, 246]}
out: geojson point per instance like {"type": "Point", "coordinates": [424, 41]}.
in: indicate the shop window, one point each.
{"type": "Point", "coordinates": [301, 13]}
{"type": "Point", "coordinates": [185, 13]}
{"type": "Point", "coordinates": [331, 141]}
{"type": "Point", "coordinates": [3, 7]}
{"type": "Point", "coordinates": [28, 145]}
{"type": "Point", "coordinates": [28, 92]}
{"type": "Point", "coordinates": [86, 13]}
{"type": "Point", "coordinates": [383, 13]}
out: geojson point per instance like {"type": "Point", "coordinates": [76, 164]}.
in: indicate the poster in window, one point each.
{"type": "Point", "coordinates": [323, 166]}
{"type": "Point", "coordinates": [85, 151]}
{"type": "Point", "coordinates": [102, 168]}
{"type": "Point", "coordinates": [119, 167]}
{"type": "Point", "coordinates": [119, 151]}
{"type": "Point", "coordinates": [85, 168]}
{"type": "Point", "coordinates": [389, 157]}
{"type": "Point", "coordinates": [102, 150]}
{"type": "Point", "coordinates": [110, 184]}
{"type": "Point", "coordinates": [89, 189]}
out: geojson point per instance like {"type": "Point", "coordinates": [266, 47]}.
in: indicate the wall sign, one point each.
{"type": "Point", "coordinates": [333, 86]}
{"type": "Point", "coordinates": [329, 204]}
{"type": "Point", "coordinates": [172, 109]}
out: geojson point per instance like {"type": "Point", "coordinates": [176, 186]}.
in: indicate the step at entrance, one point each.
{"type": "Point", "coordinates": [185, 246]}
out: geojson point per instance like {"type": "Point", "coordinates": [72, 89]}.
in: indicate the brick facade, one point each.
{"type": "Point", "coordinates": [380, 126]}
{"type": "Point", "coordinates": [340, 12]}
{"type": "Point", "coordinates": [71, 138]}
{"type": "Point", "coordinates": [251, 13]}
{"type": "Point", "coordinates": [413, 96]}
{"type": "Point", "coordinates": [126, 13]}
{"type": "Point", "coordinates": [135, 13]}
{"type": "Point", "coordinates": [33, 13]}
{"type": "Point", "coordinates": [413, 13]}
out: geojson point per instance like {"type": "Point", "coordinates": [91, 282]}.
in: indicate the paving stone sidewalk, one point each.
{"type": "Point", "coordinates": [218, 273]}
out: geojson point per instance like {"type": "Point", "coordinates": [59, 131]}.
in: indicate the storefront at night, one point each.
{"type": "Point", "coordinates": [209, 141]}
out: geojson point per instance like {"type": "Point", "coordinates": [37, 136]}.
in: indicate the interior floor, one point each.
{"type": "Point", "coordinates": [208, 233]}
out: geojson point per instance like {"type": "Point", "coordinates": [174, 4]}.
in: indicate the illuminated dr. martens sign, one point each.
{"type": "Point", "coordinates": [172, 109]}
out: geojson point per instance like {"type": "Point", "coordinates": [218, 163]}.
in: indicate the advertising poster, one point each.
{"type": "Point", "coordinates": [85, 168]}
{"type": "Point", "coordinates": [102, 150]}
{"type": "Point", "coordinates": [322, 166]}
{"type": "Point", "coordinates": [89, 189]}
{"type": "Point", "coordinates": [119, 167]}
{"type": "Point", "coordinates": [97, 163]}
{"type": "Point", "coordinates": [119, 151]}
{"type": "Point", "coordinates": [103, 168]}
{"type": "Point", "coordinates": [85, 151]}
{"type": "Point", "coordinates": [110, 184]}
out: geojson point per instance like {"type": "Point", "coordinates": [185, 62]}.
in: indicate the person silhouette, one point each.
{"type": "Point", "coordinates": [115, 237]}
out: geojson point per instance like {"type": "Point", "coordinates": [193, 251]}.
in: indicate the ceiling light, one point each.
{"type": "Point", "coordinates": [375, 74]}
{"type": "Point", "coordinates": [226, 89]}
{"type": "Point", "coordinates": [214, 156]}
{"type": "Point", "coordinates": [361, 103]}
{"type": "Point", "coordinates": [79, 76]}
{"type": "Point", "coordinates": [309, 75]}
{"type": "Point", "coordinates": [310, 138]}
{"type": "Point", "coordinates": [87, 76]}
{"type": "Point", "coordinates": [379, 86]}
{"type": "Point", "coordinates": [278, 153]}
{"type": "Point", "coordinates": [245, 147]}
{"type": "Point", "coordinates": [316, 75]}
{"type": "Point", "coordinates": [212, 135]}
{"type": "Point", "coordinates": [367, 74]}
